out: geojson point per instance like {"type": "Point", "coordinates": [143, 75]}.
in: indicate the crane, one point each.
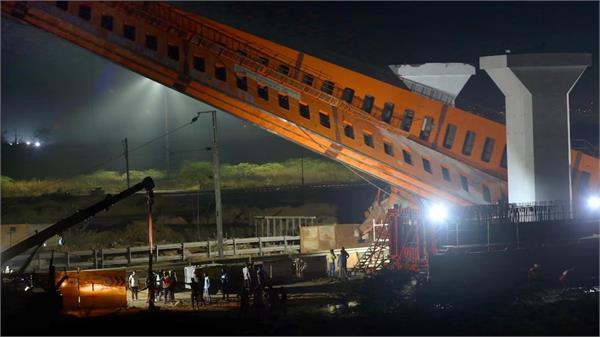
{"type": "Point", "coordinates": [38, 239]}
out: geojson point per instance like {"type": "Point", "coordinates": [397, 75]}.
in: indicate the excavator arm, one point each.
{"type": "Point", "coordinates": [79, 216]}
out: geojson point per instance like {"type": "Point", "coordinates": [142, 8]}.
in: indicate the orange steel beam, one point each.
{"type": "Point", "coordinates": [311, 102]}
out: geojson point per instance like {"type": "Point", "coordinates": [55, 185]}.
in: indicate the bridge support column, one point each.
{"type": "Point", "coordinates": [536, 88]}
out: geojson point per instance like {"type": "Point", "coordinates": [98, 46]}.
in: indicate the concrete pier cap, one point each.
{"type": "Point", "coordinates": [536, 88]}
{"type": "Point", "coordinates": [449, 78]}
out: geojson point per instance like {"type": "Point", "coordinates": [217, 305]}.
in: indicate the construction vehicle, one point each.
{"type": "Point", "coordinates": [412, 138]}
{"type": "Point", "coordinates": [23, 293]}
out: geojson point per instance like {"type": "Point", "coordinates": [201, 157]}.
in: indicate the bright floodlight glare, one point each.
{"type": "Point", "coordinates": [37, 144]}
{"type": "Point", "coordinates": [437, 213]}
{"type": "Point", "coordinates": [593, 202]}
{"type": "Point", "coordinates": [28, 143]}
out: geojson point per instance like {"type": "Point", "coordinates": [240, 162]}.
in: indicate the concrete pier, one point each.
{"type": "Point", "coordinates": [536, 88]}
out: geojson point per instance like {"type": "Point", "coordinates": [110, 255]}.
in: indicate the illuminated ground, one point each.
{"type": "Point", "coordinates": [359, 307]}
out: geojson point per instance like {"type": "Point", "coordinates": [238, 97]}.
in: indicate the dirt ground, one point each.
{"type": "Point", "coordinates": [362, 306]}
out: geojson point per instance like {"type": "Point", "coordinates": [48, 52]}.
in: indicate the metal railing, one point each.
{"type": "Point", "coordinates": [425, 90]}
{"type": "Point", "coordinates": [496, 227]}
{"type": "Point", "coordinates": [267, 226]}
{"type": "Point", "coordinates": [175, 252]}
{"type": "Point", "coordinates": [323, 86]}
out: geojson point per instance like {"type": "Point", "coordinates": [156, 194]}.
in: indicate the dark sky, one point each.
{"type": "Point", "coordinates": [90, 104]}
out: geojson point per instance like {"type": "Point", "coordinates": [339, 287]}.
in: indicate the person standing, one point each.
{"type": "Point", "coordinates": [247, 277]}
{"type": "Point", "coordinates": [261, 277]}
{"type": "Point", "coordinates": [134, 285]}
{"type": "Point", "coordinates": [173, 276]}
{"type": "Point", "coordinates": [331, 264]}
{"type": "Point", "coordinates": [206, 288]}
{"type": "Point", "coordinates": [342, 261]}
{"type": "Point", "coordinates": [166, 284]}
{"type": "Point", "coordinates": [195, 292]}
{"type": "Point", "coordinates": [224, 283]}
{"type": "Point", "coordinates": [157, 286]}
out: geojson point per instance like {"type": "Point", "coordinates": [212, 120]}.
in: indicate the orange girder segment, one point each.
{"type": "Point", "coordinates": [302, 98]}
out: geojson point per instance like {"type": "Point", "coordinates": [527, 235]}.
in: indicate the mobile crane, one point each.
{"type": "Point", "coordinates": [50, 299]}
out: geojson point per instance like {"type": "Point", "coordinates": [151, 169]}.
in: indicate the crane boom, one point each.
{"type": "Point", "coordinates": [417, 142]}
{"type": "Point", "coordinates": [77, 217]}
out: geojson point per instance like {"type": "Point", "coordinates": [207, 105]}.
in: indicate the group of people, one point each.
{"type": "Point", "coordinates": [254, 276]}
{"type": "Point", "coordinates": [164, 285]}
{"type": "Point", "coordinates": [200, 292]}
{"type": "Point", "coordinates": [200, 287]}
{"type": "Point", "coordinates": [342, 263]}
{"type": "Point", "coordinates": [264, 296]}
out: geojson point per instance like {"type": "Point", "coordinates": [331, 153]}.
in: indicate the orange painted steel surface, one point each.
{"type": "Point", "coordinates": [402, 137]}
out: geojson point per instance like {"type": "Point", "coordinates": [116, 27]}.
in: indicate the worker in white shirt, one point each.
{"type": "Point", "coordinates": [134, 286]}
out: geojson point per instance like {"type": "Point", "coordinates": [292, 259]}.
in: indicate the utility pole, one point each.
{"type": "Point", "coordinates": [167, 154]}
{"type": "Point", "coordinates": [216, 178]}
{"type": "Point", "coordinates": [126, 159]}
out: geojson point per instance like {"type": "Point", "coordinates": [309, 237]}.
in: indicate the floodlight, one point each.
{"type": "Point", "coordinates": [437, 213]}
{"type": "Point", "coordinates": [593, 202]}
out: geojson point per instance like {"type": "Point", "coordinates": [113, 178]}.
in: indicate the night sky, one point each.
{"type": "Point", "coordinates": [89, 104]}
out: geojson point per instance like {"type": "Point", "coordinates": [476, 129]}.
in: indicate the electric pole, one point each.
{"type": "Point", "coordinates": [126, 159]}
{"type": "Point", "coordinates": [216, 178]}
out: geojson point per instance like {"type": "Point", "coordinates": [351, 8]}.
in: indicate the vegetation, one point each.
{"type": "Point", "coordinates": [191, 175]}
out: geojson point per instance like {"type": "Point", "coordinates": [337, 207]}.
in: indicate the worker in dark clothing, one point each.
{"type": "Point", "coordinates": [343, 263]}
{"type": "Point", "coordinates": [173, 276]}
{"type": "Point", "coordinates": [195, 292]}
{"type": "Point", "coordinates": [224, 283]}
{"type": "Point", "coordinates": [261, 276]}
{"type": "Point", "coordinates": [253, 279]}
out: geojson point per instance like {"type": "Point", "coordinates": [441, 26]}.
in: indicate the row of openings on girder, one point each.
{"type": "Point", "coordinates": [220, 73]}
{"type": "Point", "coordinates": [347, 95]}
{"type": "Point", "coordinates": [151, 42]}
